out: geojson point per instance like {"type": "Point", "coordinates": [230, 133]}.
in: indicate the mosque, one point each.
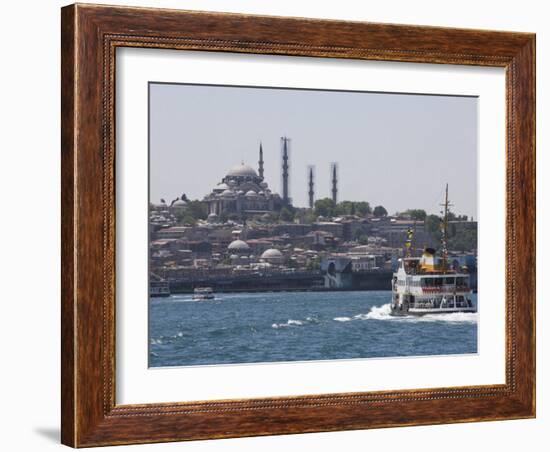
{"type": "Point", "coordinates": [244, 191]}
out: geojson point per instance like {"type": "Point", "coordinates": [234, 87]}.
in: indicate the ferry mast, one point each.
{"type": "Point", "coordinates": [444, 227]}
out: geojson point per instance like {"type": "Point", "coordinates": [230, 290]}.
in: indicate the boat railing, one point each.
{"type": "Point", "coordinates": [446, 289]}
{"type": "Point", "coordinates": [440, 304]}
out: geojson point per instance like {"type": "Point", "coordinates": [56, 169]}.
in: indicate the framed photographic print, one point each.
{"type": "Point", "coordinates": [281, 225]}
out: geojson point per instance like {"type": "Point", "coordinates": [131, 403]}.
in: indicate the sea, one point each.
{"type": "Point", "coordinates": [264, 327]}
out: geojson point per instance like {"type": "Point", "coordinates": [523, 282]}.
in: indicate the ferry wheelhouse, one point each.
{"type": "Point", "coordinates": [426, 284]}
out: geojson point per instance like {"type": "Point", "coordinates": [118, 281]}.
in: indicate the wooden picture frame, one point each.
{"type": "Point", "coordinates": [90, 36]}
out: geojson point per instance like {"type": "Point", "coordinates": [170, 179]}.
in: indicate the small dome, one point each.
{"type": "Point", "coordinates": [212, 215]}
{"type": "Point", "coordinates": [238, 245]}
{"type": "Point", "coordinates": [251, 194]}
{"type": "Point", "coordinates": [227, 193]}
{"type": "Point", "coordinates": [242, 170]}
{"type": "Point", "coordinates": [179, 203]}
{"type": "Point", "coordinates": [221, 187]}
{"type": "Point", "coordinates": [263, 185]}
{"type": "Point", "coordinates": [272, 253]}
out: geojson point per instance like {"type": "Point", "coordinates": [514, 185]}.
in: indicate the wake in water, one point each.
{"type": "Point", "coordinates": [185, 299]}
{"type": "Point", "coordinates": [383, 313]}
{"type": "Point", "coordinates": [292, 322]}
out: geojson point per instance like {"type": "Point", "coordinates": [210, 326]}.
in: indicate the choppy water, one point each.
{"type": "Point", "coordinates": [297, 326]}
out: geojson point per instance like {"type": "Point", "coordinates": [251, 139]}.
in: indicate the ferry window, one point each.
{"type": "Point", "coordinates": [449, 281]}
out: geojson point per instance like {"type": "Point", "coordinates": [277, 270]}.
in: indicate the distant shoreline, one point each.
{"type": "Point", "coordinates": [286, 289]}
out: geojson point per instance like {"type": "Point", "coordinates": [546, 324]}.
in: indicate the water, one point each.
{"type": "Point", "coordinates": [298, 326]}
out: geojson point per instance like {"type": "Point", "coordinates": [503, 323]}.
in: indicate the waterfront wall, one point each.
{"type": "Point", "coordinates": [299, 281]}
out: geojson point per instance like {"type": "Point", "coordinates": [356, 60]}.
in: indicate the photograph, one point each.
{"type": "Point", "coordinates": [280, 220]}
{"type": "Point", "coordinates": [294, 225]}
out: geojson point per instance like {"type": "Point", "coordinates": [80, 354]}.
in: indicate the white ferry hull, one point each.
{"type": "Point", "coordinates": [203, 294]}
{"type": "Point", "coordinates": [203, 298]}
{"type": "Point", "coordinates": [424, 311]}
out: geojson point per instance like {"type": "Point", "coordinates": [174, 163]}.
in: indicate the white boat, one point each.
{"type": "Point", "coordinates": [203, 293]}
{"type": "Point", "coordinates": [159, 288]}
{"type": "Point", "coordinates": [426, 284]}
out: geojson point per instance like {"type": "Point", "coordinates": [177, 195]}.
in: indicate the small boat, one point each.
{"type": "Point", "coordinates": [426, 284]}
{"type": "Point", "coordinates": [203, 293]}
{"type": "Point", "coordinates": [159, 288]}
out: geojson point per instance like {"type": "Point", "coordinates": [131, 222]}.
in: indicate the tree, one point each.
{"type": "Point", "coordinates": [432, 224]}
{"type": "Point", "coordinates": [286, 214]}
{"type": "Point", "coordinates": [463, 240]}
{"type": "Point", "coordinates": [304, 216]}
{"type": "Point", "coordinates": [197, 209]}
{"type": "Point", "coordinates": [417, 214]}
{"type": "Point", "coordinates": [362, 208]}
{"type": "Point", "coordinates": [188, 220]}
{"type": "Point", "coordinates": [325, 207]}
{"type": "Point", "coordinates": [380, 211]}
{"type": "Point", "coordinates": [344, 208]}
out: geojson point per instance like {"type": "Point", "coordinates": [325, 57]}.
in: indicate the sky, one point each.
{"type": "Point", "coordinates": [395, 150]}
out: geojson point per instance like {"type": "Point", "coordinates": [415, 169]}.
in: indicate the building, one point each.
{"type": "Point", "coordinates": [272, 256]}
{"type": "Point", "coordinates": [243, 191]}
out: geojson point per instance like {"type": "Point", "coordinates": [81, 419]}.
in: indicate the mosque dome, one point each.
{"type": "Point", "coordinates": [272, 253]}
{"type": "Point", "coordinates": [179, 203]}
{"type": "Point", "coordinates": [242, 170]}
{"type": "Point", "coordinates": [251, 194]}
{"type": "Point", "coordinates": [238, 245]}
{"type": "Point", "coordinates": [221, 187]}
{"type": "Point", "coordinates": [227, 193]}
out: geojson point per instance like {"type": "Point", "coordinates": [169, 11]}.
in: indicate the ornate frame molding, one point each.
{"type": "Point", "coordinates": [90, 37]}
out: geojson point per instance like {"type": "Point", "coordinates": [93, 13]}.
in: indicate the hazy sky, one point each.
{"type": "Point", "coordinates": [396, 150]}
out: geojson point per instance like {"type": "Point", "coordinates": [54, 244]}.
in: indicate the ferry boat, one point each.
{"type": "Point", "coordinates": [426, 284]}
{"type": "Point", "coordinates": [203, 293]}
{"type": "Point", "coordinates": [159, 288]}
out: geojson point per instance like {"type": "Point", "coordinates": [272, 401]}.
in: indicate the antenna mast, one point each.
{"type": "Point", "coordinates": [444, 227]}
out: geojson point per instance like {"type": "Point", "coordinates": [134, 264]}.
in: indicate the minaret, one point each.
{"type": "Point", "coordinates": [333, 172]}
{"type": "Point", "coordinates": [285, 143]}
{"type": "Point", "coordinates": [311, 186]}
{"type": "Point", "coordinates": [261, 163]}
